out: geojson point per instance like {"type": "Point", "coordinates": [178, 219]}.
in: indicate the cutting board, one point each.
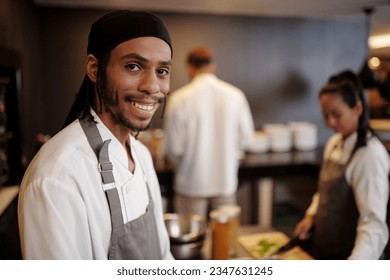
{"type": "Point", "coordinates": [273, 240]}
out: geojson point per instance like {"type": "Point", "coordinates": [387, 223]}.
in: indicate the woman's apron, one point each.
{"type": "Point", "coordinates": [136, 239]}
{"type": "Point", "coordinates": [337, 216]}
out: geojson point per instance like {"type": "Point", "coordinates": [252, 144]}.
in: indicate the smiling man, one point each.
{"type": "Point", "coordinates": [91, 192]}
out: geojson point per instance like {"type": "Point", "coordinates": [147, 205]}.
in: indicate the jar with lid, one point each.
{"type": "Point", "coordinates": [233, 212]}
{"type": "Point", "coordinates": [219, 235]}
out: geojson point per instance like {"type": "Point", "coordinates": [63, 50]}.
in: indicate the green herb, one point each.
{"type": "Point", "coordinates": [264, 247]}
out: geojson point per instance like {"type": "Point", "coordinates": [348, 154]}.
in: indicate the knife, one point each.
{"type": "Point", "coordinates": [295, 241]}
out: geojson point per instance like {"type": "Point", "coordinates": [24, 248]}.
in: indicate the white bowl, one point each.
{"type": "Point", "coordinates": [261, 143]}
{"type": "Point", "coordinates": [280, 137]}
{"type": "Point", "coordinates": [304, 136]}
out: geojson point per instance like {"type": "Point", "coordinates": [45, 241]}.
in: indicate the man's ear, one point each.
{"type": "Point", "coordinates": [92, 67]}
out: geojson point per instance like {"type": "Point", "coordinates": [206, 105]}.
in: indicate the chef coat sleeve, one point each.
{"type": "Point", "coordinates": [53, 221]}
{"type": "Point", "coordinates": [175, 132]}
{"type": "Point", "coordinates": [246, 126]}
{"type": "Point", "coordinates": [368, 175]}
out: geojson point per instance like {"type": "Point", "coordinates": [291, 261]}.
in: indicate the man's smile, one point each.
{"type": "Point", "coordinates": [144, 106]}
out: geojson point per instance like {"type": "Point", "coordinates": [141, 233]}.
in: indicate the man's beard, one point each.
{"type": "Point", "coordinates": [111, 100]}
{"type": "Point", "coordinates": [122, 120]}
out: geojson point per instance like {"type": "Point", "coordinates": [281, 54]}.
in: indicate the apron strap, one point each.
{"type": "Point", "coordinates": [115, 208]}
{"type": "Point", "coordinates": [105, 165]}
{"type": "Point", "coordinates": [93, 135]}
{"type": "Point", "coordinates": [100, 149]}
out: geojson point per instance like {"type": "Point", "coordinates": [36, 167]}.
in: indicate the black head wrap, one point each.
{"type": "Point", "coordinates": [109, 31]}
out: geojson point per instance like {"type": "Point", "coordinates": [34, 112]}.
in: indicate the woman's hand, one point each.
{"type": "Point", "coordinates": [303, 227]}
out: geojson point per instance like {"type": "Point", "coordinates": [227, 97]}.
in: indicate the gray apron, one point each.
{"type": "Point", "coordinates": [336, 220]}
{"type": "Point", "coordinates": [137, 239]}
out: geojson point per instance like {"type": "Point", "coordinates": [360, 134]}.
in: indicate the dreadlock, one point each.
{"type": "Point", "coordinates": [85, 100]}
{"type": "Point", "coordinates": [101, 78]}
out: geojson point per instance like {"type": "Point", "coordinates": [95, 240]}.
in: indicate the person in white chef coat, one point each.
{"type": "Point", "coordinates": [348, 212]}
{"type": "Point", "coordinates": [206, 123]}
{"type": "Point", "coordinates": [91, 192]}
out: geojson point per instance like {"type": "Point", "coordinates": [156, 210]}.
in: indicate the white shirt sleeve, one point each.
{"type": "Point", "coordinates": [53, 228]}
{"type": "Point", "coordinates": [174, 138]}
{"type": "Point", "coordinates": [368, 176]}
{"type": "Point", "coordinates": [247, 128]}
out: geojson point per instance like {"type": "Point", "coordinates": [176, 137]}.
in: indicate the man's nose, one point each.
{"type": "Point", "coordinates": [149, 83]}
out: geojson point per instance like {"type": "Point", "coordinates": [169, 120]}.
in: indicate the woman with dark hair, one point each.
{"type": "Point", "coordinates": [348, 212]}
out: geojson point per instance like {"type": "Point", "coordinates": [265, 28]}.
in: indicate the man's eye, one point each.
{"type": "Point", "coordinates": [163, 71]}
{"type": "Point", "coordinates": [132, 67]}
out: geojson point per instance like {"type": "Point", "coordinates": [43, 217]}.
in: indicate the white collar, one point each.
{"type": "Point", "coordinates": [209, 76]}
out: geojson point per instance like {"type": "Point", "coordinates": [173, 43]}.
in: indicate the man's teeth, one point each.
{"type": "Point", "coordinates": [147, 107]}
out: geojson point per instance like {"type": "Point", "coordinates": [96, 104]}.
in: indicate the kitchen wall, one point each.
{"type": "Point", "coordinates": [20, 33]}
{"type": "Point", "coordinates": [279, 63]}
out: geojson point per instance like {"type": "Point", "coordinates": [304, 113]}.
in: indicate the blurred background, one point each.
{"type": "Point", "coordinates": [278, 52]}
